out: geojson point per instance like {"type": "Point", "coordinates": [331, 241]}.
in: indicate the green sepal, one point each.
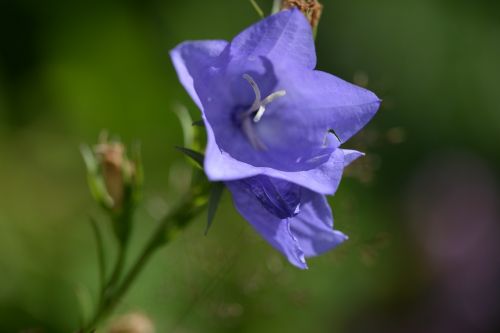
{"type": "Point", "coordinates": [198, 123]}
{"type": "Point", "coordinates": [197, 157]}
{"type": "Point", "coordinates": [216, 191]}
{"type": "Point", "coordinates": [95, 181]}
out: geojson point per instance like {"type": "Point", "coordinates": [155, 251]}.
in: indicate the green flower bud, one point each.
{"type": "Point", "coordinates": [114, 178]}
{"type": "Point", "coordinates": [115, 181]}
{"type": "Point", "coordinates": [115, 168]}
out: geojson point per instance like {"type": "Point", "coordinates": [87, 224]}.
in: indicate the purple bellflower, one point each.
{"type": "Point", "coordinates": [274, 128]}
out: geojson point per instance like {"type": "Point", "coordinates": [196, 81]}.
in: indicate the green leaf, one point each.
{"type": "Point", "coordinates": [186, 123]}
{"type": "Point", "coordinates": [89, 159]}
{"type": "Point", "coordinates": [213, 202]}
{"type": "Point", "coordinates": [194, 155]}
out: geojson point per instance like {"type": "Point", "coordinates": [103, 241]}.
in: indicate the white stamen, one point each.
{"type": "Point", "coordinates": [259, 114]}
{"type": "Point", "coordinates": [265, 101]}
{"type": "Point", "coordinates": [273, 96]}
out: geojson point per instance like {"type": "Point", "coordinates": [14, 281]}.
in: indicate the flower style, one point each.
{"type": "Point", "coordinates": [274, 128]}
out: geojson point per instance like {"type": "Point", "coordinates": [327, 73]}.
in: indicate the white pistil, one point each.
{"type": "Point", "coordinates": [258, 107]}
{"type": "Point", "coordinates": [256, 90]}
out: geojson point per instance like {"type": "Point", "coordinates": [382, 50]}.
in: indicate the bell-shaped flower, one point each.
{"type": "Point", "coordinates": [271, 118]}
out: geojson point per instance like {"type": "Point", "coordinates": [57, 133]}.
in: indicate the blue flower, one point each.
{"type": "Point", "coordinates": [274, 128]}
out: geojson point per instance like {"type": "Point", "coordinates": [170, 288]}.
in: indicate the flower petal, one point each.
{"type": "Point", "coordinates": [279, 197]}
{"type": "Point", "coordinates": [325, 101]}
{"type": "Point", "coordinates": [296, 128]}
{"type": "Point", "coordinates": [285, 36]}
{"type": "Point", "coordinates": [324, 179]}
{"type": "Point", "coordinates": [226, 96]}
{"type": "Point", "coordinates": [313, 227]}
{"type": "Point", "coordinates": [351, 155]}
{"type": "Point", "coordinates": [274, 230]}
{"type": "Point", "coordinates": [191, 58]}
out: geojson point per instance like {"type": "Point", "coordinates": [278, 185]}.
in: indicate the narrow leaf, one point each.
{"type": "Point", "coordinates": [94, 179]}
{"type": "Point", "coordinates": [213, 202]}
{"type": "Point", "coordinates": [194, 155]}
{"type": "Point", "coordinates": [185, 119]}
{"type": "Point", "coordinates": [89, 159]}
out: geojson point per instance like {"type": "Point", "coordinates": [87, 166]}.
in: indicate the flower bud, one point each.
{"type": "Point", "coordinates": [311, 8]}
{"type": "Point", "coordinates": [132, 323]}
{"type": "Point", "coordinates": [115, 167]}
{"type": "Point", "coordinates": [114, 178]}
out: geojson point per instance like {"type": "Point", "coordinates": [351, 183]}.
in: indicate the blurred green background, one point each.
{"type": "Point", "coordinates": [421, 209]}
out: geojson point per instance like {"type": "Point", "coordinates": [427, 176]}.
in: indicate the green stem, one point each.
{"type": "Point", "coordinates": [178, 219]}
{"type": "Point", "coordinates": [154, 243]}
{"type": "Point", "coordinates": [108, 286]}
{"type": "Point", "coordinates": [257, 8]}
{"type": "Point", "coordinates": [100, 254]}
{"type": "Point", "coordinates": [112, 296]}
{"type": "Point", "coordinates": [120, 262]}
{"type": "Point", "coordinates": [276, 6]}
{"type": "Point", "coordinates": [111, 300]}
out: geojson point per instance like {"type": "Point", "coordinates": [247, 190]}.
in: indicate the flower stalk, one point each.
{"type": "Point", "coordinates": [193, 204]}
{"type": "Point", "coordinates": [312, 9]}
{"type": "Point", "coordinates": [115, 182]}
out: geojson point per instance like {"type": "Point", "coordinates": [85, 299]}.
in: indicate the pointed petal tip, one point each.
{"type": "Point", "coordinates": [301, 264]}
{"type": "Point", "coordinates": [372, 98]}
{"type": "Point", "coordinates": [342, 237]}
{"type": "Point", "coordinates": [351, 156]}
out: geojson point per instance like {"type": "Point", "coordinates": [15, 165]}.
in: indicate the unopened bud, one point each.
{"type": "Point", "coordinates": [132, 323]}
{"type": "Point", "coordinates": [311, 8]}
{"type": "Point", "coordinates": [115, 167]}
{"type": "Point", "coordinates": [114, 178]}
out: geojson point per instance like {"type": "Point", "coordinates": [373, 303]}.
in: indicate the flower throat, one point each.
{"type": "Point", "coordinates": [256, 111]}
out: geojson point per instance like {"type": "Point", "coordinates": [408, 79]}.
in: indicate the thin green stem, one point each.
{"type": "Point", "coordinates": [257, 8]}
{"type": "Point", "coordinates": [100, 254]}
{"type": "Point", "coordinates": [155, 242]}
{"type": "Point", "coordinates": [120, 262]}
{"type": "Point", "coordinates": [178, 219]}
{"type": "Point", "coordinates": [276, 6]}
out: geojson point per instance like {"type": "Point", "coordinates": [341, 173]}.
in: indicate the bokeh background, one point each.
{"type": "Point", "coordinates": [421, 209]}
